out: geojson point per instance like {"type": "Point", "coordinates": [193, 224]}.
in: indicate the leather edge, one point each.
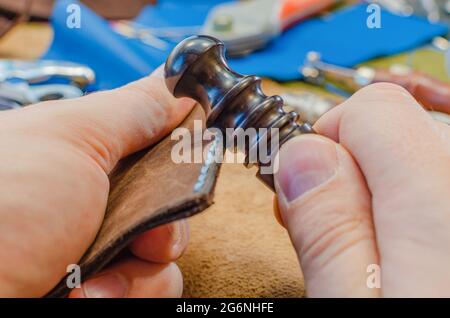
{"type": "Point", "coordinates": [182, 210]}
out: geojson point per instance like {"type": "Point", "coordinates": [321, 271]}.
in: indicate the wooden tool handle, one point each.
{"type": "Point", "coordinates": [197, 68]}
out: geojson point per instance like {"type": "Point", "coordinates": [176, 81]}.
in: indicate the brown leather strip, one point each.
{"type": "Point", "coordinates": [148, 189]}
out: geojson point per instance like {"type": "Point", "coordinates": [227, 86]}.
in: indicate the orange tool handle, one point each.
{"type": "Point", "coordinates": [293, 11]}
{"type": "Point", "coordinates": [433, 94]}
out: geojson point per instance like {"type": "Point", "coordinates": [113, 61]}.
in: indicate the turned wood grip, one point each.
{"type": "Point", "coordinates": [197, 68]}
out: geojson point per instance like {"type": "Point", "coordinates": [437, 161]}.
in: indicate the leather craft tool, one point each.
{"type": "Point", "coordinates": [311, 107]}
{"type": "Point", "coordinates": [155, 37]}
{"type": "Point", "coordinates": [16, 95]}
{"type": "Point", "coordinates": [128, 61]}
{"type": "Point", "coordinates": [196, 68]}
{"type": "Point", "coordinates": [130, 30]}
{"type": "Point", "coordinates": [433, 10]}
{"type": "Point", "coordinates": [45, 70]}
{"type": "Point", "coordinates": [245, 26]}
{"type": "Point", "coordinates": [28, 82]}
{"type": "Point", "coordinates": [431, 93]}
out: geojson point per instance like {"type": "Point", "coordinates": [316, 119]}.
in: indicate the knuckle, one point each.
{"type": "Point", "coordinates": [377, 104]}
{"type": "Point", "coordinates": [334, 226]}
{"type": "Point", "coordinates": [328, 242]}
{"type": "Point", "coordinates": [155, 111]}
{"type": "Point", "coordinates": [383, 93]}
{"type": "Point", "coordinates": [383, 87]}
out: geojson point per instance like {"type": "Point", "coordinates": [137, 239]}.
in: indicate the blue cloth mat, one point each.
{"type": "Point", "coordinates": [342, 38]}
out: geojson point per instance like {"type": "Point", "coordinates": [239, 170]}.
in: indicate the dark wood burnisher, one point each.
{"type": "Point", "coordinates": [196, 68]}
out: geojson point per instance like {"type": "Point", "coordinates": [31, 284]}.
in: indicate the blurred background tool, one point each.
{"type": "Point", "coordinates": [246, 26]}
{"type": "Point", "coordinates": [338, 36]}
{"type": "Point", "coordinates": [134, 29]}
{"type": "Point", "coordinates": [28, 82]}
{"type": "Point", "coordinates": [40, 71]}
{"type": "Point", "coordinates": [433, 10]}
{"type": "Point", "coordinates": [312, 106]}
{"type": "Point", "coordinates": [42, 9]}
{"type": "Point", "coordinates": [433, 94]}
{"type": "Point", "coordinates": [16, 95]}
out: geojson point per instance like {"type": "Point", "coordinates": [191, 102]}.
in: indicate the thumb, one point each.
{"type": "Point", "coordinates": [326, 207]}
{"type": "Point", "coordinates": [110, 125]}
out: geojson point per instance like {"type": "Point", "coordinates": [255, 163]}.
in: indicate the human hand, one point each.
{"type": "Point", "coordinates": [56, 157]}
{"type": "Point", "coordinates": [373, 189]}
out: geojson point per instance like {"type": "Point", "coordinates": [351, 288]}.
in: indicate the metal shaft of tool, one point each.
{"type": "Point", "coordinates": [196, 68]}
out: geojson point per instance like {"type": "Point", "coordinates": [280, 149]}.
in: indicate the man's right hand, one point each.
{"type": "Point", "coordinates": [375, 189]}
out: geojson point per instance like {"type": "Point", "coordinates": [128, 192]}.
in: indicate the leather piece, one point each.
{"type": "Point", "coordinates": [147, 190]}
{"type": "Point", "coordinates": [110, 9]}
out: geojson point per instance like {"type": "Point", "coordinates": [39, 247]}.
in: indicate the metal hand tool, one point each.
{"type": "Point", "coordinates": [28, 82]}
{"type": "Point", "coordinates": [158, 34]}
{"type": "Point", "coordinates": [430, 92]}
{"type": "Point", "coordinates": [433, 10]}
{"type": "Point", "coordinates": [45, 70]}
{"type": "Point", "coordinates": [245, 26]}
{"type": "Point", "coordinates": [131, 30]}
{"type": "Point", "coordinates": [311, 107]}
{"type": "Point", "coordinates": [23, 94]}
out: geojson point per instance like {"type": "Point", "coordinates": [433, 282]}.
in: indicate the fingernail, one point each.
{"type": "Point", "coordinates": [304, 164]}
{"type": "Point", "coordinates": [110, 285]}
